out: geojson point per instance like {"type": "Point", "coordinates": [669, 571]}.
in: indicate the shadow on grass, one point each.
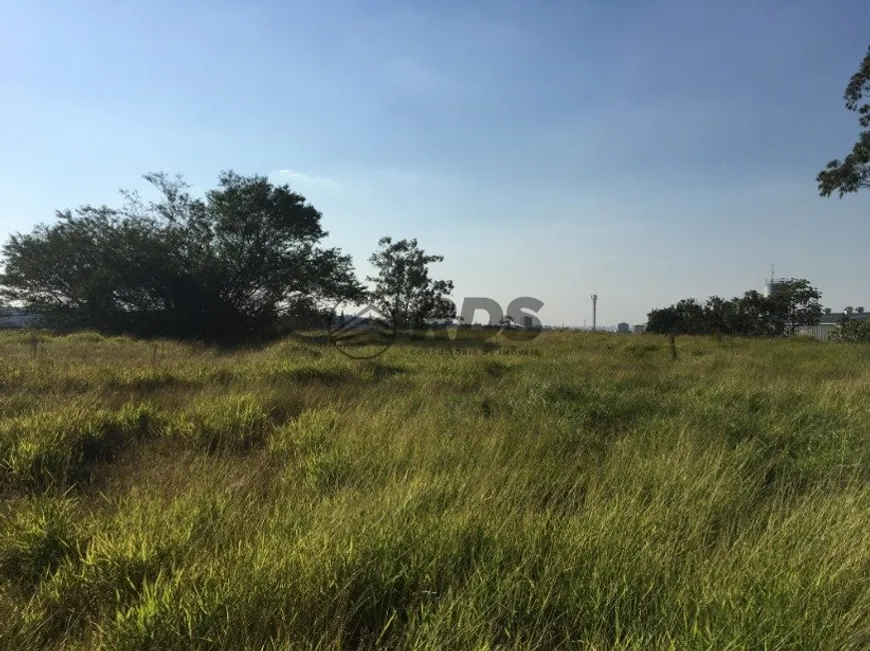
{"type": "Point", "coordinates": [455, 341]}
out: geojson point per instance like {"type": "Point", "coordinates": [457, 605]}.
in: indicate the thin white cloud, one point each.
{"type": "Point", "coordinates": [310, 180]}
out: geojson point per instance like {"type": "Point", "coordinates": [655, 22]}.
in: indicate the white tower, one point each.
{"type": "Point", "coordinates": [594, 310]}
{"type": "Point", "coordinates": [773, 285]}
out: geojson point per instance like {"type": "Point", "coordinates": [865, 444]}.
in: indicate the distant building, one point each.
{"type": "Point", "coordinates": [640, 329]}
{"type": "Point", "coordinates": [528, 322]}
{"type": "Point", "coordinates": [829, 322]}
{"type": "Point", "coordinates": [821, 331]}
{"type": "Point", "coordinates": [623, 328]}
{"type": "Point", "coordinates": [836, 317]}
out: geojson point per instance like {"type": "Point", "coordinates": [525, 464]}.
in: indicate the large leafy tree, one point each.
{"type": "Point", "coordinates": [853, 172]}
{"type": "Point", "coordinates": [796, 303]}
{"type": "Point", "coordinates": [224, 267]}
{"type": "Point", "coordinates": [403, 289]}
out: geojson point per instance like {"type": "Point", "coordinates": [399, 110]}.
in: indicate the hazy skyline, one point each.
{"type": "Point", "coordinates": [645, 153]}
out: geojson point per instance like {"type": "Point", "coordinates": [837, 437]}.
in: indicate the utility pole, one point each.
{"type": "Point", "coordinates": [594, 310]}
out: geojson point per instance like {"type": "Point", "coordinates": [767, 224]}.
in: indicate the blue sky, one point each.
{"type": "Point", "coordinates": [643, 151]}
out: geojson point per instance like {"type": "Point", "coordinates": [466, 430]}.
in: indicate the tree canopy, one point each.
{"type": "Point", "coordinates": [222, 268]}
{"type": "Point", "coordinates": [403, 289]}
{"type": "Point", "coordinates": [794, 304]}
{"type": "Point", "coordinates": [853, 172]}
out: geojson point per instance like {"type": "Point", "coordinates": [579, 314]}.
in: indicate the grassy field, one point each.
{"type": "Point", "coordinates": [576, 491]}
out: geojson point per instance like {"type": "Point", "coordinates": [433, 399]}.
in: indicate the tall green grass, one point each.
{"type": "Point", "coordinates": [575, 491]}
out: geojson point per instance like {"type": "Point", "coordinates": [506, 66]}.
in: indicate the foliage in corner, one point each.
{"type": "Point", "coordinates": [853, 172]}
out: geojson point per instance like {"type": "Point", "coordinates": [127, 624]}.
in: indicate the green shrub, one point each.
{"type": "Point", "coordinates": [852, 331]}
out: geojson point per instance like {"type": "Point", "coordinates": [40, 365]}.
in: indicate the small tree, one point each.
{"type": "Point", "coordinates": [403, 289]}
{"type": "Point", "coordinates": [851, 331]}
{"type": "Point", "coordinates": [755, 315]}
{"type": "Point", "coordinates": [664, 320]}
